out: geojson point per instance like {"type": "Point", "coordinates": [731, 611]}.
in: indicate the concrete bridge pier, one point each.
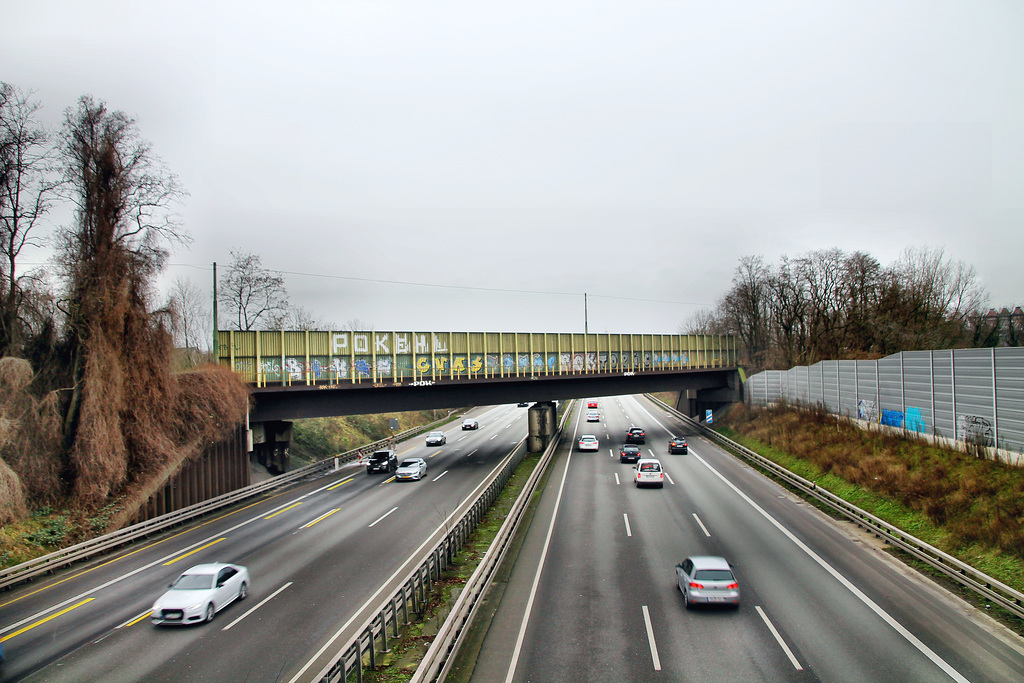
{"type": "Point", "coordinates": [270, 442]}
{"type": "Point", "coordinates": [543, 421]}
{"type": "Point", "coordinates": [696, 402]}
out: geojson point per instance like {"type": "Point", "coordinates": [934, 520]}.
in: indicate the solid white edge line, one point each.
{"type": "Point", "coordinates": [536, 579]}
{"type": "Point", "coordinates": [704, 528]}
{"type": "Point", "coordinates": [257, 606]}
{"type": "Point", "coordinates": [321, 517]}
{"type": "Point", "coordinates": [383, 516]}
{"type": "Point", "coordinates": [650, 639]}
{"type": "Point", "coordinates": [629, 532]}
{"type": "Point", "coordinates": [440, 527]}
{"type": "Point", "coordinates": [771, 627]}
{"type": "Point", "coordinates": [139, 570]}
{"type": "Point", "coordinates": [898, 627]}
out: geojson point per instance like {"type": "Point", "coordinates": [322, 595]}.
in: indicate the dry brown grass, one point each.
{"type": "Point", "coordinates": [978, 501]}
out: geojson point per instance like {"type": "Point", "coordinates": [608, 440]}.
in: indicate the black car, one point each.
{"type": "Point", "coordinates": [629, 453]}
{"type": "Point", "coordinates": [677, 445]}
{"type": "Point", "coordinates": [382, 461]}
{"type": "Point", "coordinates": [523, 404]}
{"type": "Point", "coordinates": [636, 435]}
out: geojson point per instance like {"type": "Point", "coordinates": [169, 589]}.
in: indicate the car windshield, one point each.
{"type": "Point", "coordinates": [382, 455]}
{"type": "Point", "coordinates": [193, 582]}
{"type": "Point", "coordinates": [650, 467]}
{"type": "Point", "coordinates": [589, 438]}
{"type": "Point", "coordinates": [437, 433]}
{"type": "Point", "coordinates": [713, 575]}
{"type": "Point", "coordinates": [410, 463]}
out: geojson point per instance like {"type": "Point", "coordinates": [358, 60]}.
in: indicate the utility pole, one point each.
{"type": "Point", "coordinates": [215, 340]}
{"type": "Point", "coordinates": [586, 322]}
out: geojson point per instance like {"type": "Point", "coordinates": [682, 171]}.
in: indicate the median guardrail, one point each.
{"type": "Point", "coordinates": [107, 542]}
{"type": "Point", "coordinates": [1006, 597]}
{"type": "Point", "coordinates": [372, 638]}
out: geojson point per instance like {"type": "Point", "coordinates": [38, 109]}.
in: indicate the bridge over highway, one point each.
{"type": "Point", "coordinates": [303, 374]}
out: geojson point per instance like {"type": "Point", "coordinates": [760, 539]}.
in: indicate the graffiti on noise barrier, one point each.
{"type": "Point", "coordinates": [892, 418]}
{"type": "Point", "coordinates": [974, 429]}
{"type": "Point", "coordinates": [866, 410]}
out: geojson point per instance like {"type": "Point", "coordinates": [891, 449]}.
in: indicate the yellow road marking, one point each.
{"type": "Point", "coordinates": [145, 615]}
{"type": "Point", "coordinates": [331, 488]}
{"type": "Point", "coordinates": [320, 519]}
{"type": "Point", "coordinates": [193, 552]}
{"type": "Point", "coordinates": [138, 550]}
{"type": "Point", "coordinates": [294, 505]}
{"type": "Point", "coordinates": [46, 619]}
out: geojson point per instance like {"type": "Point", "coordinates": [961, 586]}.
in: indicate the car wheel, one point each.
{"type": "Point", "coordinates": [686, 601]}
{"type": "Point", "coordinates": [210, 612]}
{"type": "Point", "coordinates": [243, 590]}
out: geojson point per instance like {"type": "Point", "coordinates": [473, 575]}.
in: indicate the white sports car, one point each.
{"type": "Point", "coordinates": [200, 593]}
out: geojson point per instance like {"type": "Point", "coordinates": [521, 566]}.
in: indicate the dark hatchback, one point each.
{"type": "Point", "coordinates": [636, 435]}
{"type": "Point", "coordinates": [629, 453]}
{"type": "Point", "coordinates": [677, 445]}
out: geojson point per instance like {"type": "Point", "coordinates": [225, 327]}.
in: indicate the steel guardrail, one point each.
{"type": "Point", "coordinates": [415, 588]}
{"type": "Point", "coordinates": [87, 549]}
{"type": "Point", "coordinates": [437, 662]}
{"type": "Point", "coordinates": [1006, 597]}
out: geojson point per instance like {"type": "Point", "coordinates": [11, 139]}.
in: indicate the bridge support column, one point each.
{"type": "Point", "coordinates": [687, 402]}
{"type": "Point", "coordinates": [270, 442]}
{"type": "Point", "coordinates": [543, 421]}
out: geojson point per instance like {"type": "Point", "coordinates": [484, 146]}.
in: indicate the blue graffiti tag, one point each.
{"type": "Point", "coordinates": [915, 420]}
{"type": "Point", "coordinates": [892, 418]}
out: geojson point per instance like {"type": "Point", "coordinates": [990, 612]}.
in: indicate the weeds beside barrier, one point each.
{"type": "Point", "coordinates": [371, 638]}
{"type": "Point", "coordinates": [88, 549]}
{"type": "Point", "coordinates": [991, 589]}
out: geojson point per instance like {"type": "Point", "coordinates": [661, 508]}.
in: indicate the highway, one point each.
{"type": "Point", "coordinates": [592, 595]}
{"type": "Point", "coordinates": [321, 554]}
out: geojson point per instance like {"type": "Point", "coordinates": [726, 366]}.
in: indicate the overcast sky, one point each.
{"type": "Point", "coordinates": [505, 158]}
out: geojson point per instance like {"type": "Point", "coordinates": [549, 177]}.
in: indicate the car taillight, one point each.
{"type": "Point", "coordinates": [661, 475]}
{"type": "Point", "coordinates": [694, 584]}
{"type": "Point", "coordinates": [733, 586]}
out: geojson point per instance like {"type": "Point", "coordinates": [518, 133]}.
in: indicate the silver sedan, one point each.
{"type": "Point", "coordinates": [411, 468]}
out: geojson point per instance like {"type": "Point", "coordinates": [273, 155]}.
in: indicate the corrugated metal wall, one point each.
{"type": "Point", "coordinates": [222, 468]}
{"type": "Point", "coordinates": [974, 395]}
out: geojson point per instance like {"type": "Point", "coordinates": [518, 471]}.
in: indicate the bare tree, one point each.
{"type": "Point", "coordinates": [118, 354]}
{"type": "Point", "coordinates": [703, 321]}
{"type": "Point", "coordinates": [745, 308]}
{"type": "Point", "coordinates": [298, 318]}
{"type": "Point", "coordinates": [26, 187]}
{"type": "Point", "coordinates": [254, 296]}
{"type": "Point", "coordinates": [192, 320]}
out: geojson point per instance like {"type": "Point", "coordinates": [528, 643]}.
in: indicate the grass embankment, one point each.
{"type": "Point", "coordinates": [54, 527]}
{"type": "Point", "coordinates": [972, 509]}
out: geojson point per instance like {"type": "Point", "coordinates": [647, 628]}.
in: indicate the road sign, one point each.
{"type": "Point", "coordinates": [707, 416]}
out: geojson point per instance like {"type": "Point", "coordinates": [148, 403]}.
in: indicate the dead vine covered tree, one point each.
{"type": "Point", "coordinates": [116, 418]}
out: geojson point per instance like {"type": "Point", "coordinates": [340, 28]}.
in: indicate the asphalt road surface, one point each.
{"type": "Point", "coordinates": [592, 595]}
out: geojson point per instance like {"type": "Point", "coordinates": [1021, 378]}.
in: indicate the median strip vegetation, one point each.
{"type": "Point", "coordinates": [409, 648]}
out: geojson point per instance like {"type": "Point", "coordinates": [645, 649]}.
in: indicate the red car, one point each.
{"type": "Point", "coordinates": [591, 404]}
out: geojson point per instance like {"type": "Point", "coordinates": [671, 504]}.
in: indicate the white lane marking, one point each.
{"type": "Point", "coordinates": [611, 452]}
{"type": "Point", "coordinates": [705, 529]}
{"type": "Point", "coordinates": [383, 516]}
{"type": "Point", "coordinates": [472, 452]}
{"type": "Point", "coordinates": [492, 437]}
{"type": "Point", "coordinates": [669, 479]}
{"type": "Point", "coordinates": [650, 639]}
{"type": "Point", "coordinates": [257, 606]}
{"type": "Point", "coordinates": [897, 626]}
{"type": "Point", "coordinates": [771, 627]}
{"type": "Point", "coordinates": [629, 531]}
{"type": "Point", "coordinates": [373, 598]}
{"type": "Point", "coordinates": [133, 620]}
{"type": "Point", "coordinates": [536, 579]}
{"type": "Point", "coordinates": [617, 482]}
{"type": "Point", "coordinates": [165, 558]}
{"type": "Point", "coordinates": [652, 454]}
{"type": "Point", "coordinates": [440, 475]}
